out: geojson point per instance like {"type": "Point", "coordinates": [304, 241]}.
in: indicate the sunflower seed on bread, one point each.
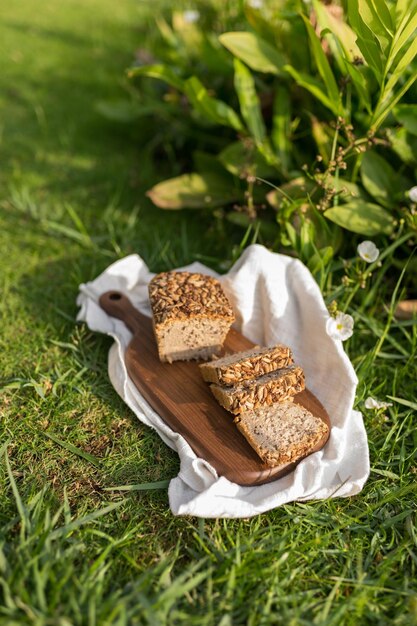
{"type": "Point", "coordinates": [234, 368]}
{"type": "Point", "coordinates": [276, 386]}
{"type": "Point", "coordinates": [191, 315]}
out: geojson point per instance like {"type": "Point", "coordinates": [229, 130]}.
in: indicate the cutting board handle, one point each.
{"type": "Point", "coordinates": [116, 304]}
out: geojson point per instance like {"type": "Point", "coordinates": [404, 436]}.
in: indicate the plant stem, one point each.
{"type": "Point", "coordinates": [372, 266]}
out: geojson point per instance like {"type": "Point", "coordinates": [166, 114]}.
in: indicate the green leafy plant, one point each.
{"type": "Point", "coordinates": [313, 134]}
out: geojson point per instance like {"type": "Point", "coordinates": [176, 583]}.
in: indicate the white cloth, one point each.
{"type": "Point", "coordinates": [277, 301]}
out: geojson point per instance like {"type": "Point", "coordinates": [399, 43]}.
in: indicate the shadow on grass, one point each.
{"type": "Point", "coordinates": [86, 409]}
{"type": "Point", "coordinates": [55, 141]}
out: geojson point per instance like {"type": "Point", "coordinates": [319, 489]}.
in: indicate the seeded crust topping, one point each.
{"type": "Point", "coordinates": [277, 386]}
{"type": "Point", "coordinates": [282, 433]}
{"type": "Point", "coordinates": [234, 368]}
{"type": "Point", "coordinates": [183, 295]}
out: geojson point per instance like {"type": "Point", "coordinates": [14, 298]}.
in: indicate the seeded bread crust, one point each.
{"type": "Point", "coordinates": [191, 315]}
{"type": "Point", "coordinates": [276, 386]}
{"type": "Point", "coordinates": [176, 296]}
{"type": "Point", "coordinates": [234, 368]}
{"type": "Point", "coordinates": [282, 433]}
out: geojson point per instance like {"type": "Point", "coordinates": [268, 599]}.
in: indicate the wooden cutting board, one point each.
{"type": "Point", "coordinates": [179, 395]}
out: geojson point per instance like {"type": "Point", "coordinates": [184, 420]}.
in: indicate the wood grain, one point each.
{"type": "Point", "coordinates": [179, 395]}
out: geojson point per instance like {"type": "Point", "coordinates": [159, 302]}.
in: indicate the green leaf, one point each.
{"type": "Point", "coordinates": [249, 102]}
{"type": "Point", "coordinates": [406, 114]}
{"type": "Point", "coordinates": [405, 30]}
{"type": "Point", "coordinates": [294, 190]}
{"type": "Point", "coordinates": [281, 126]}
{"type": "Point", "coordinates": [257, 53]}
{"type": "Point", "coordinates": [162, 72]}
{"type": "Point", "coordinates": [243, 157]}
{"type": "Point", "coordinates": [346, 189]}
{"type": "Point", "coordinates": [404, 61]}
{"type": "Point", "coordinates": [194, 191]}
{"type": "Point", "coordinates": [360, 83]}
{"type": "Point", "coordinates": [389, 102]}
{"type": "Point", "coordinates": [403, 7]}
{"type": "Point", "coordinates": [403, 144]}
{"type": "Point", "coordinates": [378, 178]}
{"type": "Point", "coordinates": [361, 217]}
{"type": "Point", "coordinates": [366, 41]}
{"type": "Point", "coordinates": [339, 28]}
{"type": "Point", "coordinates": [215, 111]}
{"type": "Point", "coordinates": [323, 67]}
{"type": "Point", "coordinates": [381, 11]}
{"type": "Point", "coordinates": [378, 20]}
{"type": "Point", "coordinates": [292, 235]}
{"type": "Point", "coordinates": [315, 87]}
{"type": "Point", "coordinates": [323, 135]}
{"type": "Point", "coordinates": [250, 109]}
{"type": "Point", "coordinates": [343, 46]}
{"type": "Point", "coordinates": [372, 55]}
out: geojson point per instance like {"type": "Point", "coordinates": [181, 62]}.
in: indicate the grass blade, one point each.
{"type": "Point", "coordinates": [407, 403]}
{"type": "Point", "coordinates": [71, 448]}
{"type": "Point", "coordinates": [19, 503]}
{"type": "Point", "coordinates": [81, 521]}
{"type": "Point", "coordinates": [159, 484]}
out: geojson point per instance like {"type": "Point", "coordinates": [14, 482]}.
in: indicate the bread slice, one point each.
{"type": "Point", "coordinates": [273, 387]}
{"type": "Point", "coordinates": [282, 433]}
{"type": "Point", "coordinates": [191, 315]}
{"type": "Point", "coordinates": [234, 368]}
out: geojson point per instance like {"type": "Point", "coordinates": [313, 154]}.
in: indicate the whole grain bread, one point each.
{"type": "Point", "coordinates": [276, 386]}
{"type": "Point", "coordinates": [246, 365]}
{"type": "Point", "coordinates": [191, 315]}
{"type": "Point", "coordinates": [282, 433]}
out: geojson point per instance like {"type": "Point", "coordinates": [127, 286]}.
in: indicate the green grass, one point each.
{"type": "Point", "coordinates": [72, 550]}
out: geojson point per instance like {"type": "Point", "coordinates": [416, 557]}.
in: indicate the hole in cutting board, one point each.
{"type": "Point", "coordinates": [115, 296]}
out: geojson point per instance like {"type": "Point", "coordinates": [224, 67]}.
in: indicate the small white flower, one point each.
{"type": "Point", "coordinates": [368, 251]}
{"type": "Point", "coordinates": [412, 194]}
{"type": "Point", "coordinates": [373, 403]}
{"type": "Point", "coordinates": [256, 4]}
{"type": "Point", "coordinates": [191, 16]}
{"type": "Point", "coordinates": [340, 327]}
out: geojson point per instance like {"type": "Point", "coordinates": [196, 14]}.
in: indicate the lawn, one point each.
{"type": "Point", "coordinates": [72, 550]}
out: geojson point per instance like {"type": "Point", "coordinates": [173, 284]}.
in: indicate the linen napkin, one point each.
{"type": "Point", "coordinates": [276, 300]}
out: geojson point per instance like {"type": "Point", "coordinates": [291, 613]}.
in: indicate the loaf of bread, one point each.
{"type": "Point", "coordinates": [191, 315]}
{"type": "Point", "coordinates": [276, 386]}
{"type": "Point", "coordinates": [282, 433]}
{"type": "Point", "coordinates": [234, 368]}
